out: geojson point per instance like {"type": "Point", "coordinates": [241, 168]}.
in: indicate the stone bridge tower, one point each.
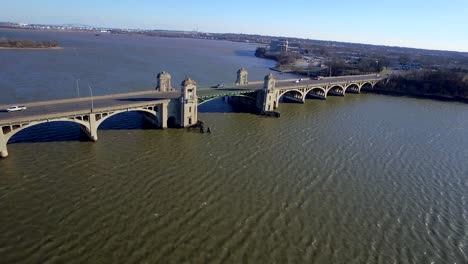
{"type": "Point", "coordinates": [189, 103]}
{"type": "Point", "coordinates": [270, 94]}
{"type": "Point", "coordinates": [242, 74]}
{"type": "Point", "coordinates": [164, 82]}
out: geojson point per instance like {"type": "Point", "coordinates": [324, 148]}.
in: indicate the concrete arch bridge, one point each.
{"type": "Point", "coordinates": [298, 90]}
{"type": "Point", "coordinates": [154, 112]}
{"type": "Point", "coordinates": [178, 107]}
{"type": "Point", "coordinates": [321, 91]}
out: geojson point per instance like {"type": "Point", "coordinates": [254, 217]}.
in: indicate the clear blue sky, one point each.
{"type": "Point", "coordinates": [434, 24]}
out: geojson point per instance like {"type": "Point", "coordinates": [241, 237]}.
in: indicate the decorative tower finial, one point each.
{"type": "Point", "coordinates": [164, 82]}
{"type": "Point", "coordinates": [242, 74]}
{"type": "Point", "coordinates": [269, 81]}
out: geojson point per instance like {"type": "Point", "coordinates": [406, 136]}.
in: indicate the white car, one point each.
{"type": "Point", "coordinates": [16, 108]}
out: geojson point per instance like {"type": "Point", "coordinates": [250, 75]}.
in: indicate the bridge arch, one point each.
{"type": "Point", "coordinates": [337, 90]}
{"type": "Point", "coordinates": [102, 117]}
{"type": "Point", "coordinates": [316, 92]}
{"type": "Point", "coordinates": [353, 88]}
{"type": "Point", "coordinates": [88, 122]}
{"type": "Point", "coordinates": [294, 94]}
{"type": "Point", "coordinates": [367, 86]}
{"type": "Point", "coordinates": [9, 131]}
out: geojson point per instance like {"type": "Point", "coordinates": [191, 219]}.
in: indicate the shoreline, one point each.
{"type": "Point", "coordinates": [39, 48]}
{"type": "Point", "coordinates": [420, 96]}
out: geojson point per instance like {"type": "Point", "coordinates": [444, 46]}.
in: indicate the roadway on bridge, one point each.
{"type": "Point", "coordinates": [283, 84]}
{"type": "Point", "coordinates": [38, 109]}
{"type": "Point", "coordinates": [83, 104]}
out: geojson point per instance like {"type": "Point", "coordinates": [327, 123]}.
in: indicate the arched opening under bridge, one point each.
{"type": "Point", "coordinates": [317, 93]}
{"type": "Point", "coordinates": [134, 119]}
{"type": "Point", "coordinates": [336, 90]}
{"type": "Point", "coordinates": [292, 96]}
{"type": "Point", "coordinates": [353, 88]}
{"type": "Point", "coordinates": [53, 131]}
{"type": "Point", "coordinates": [367, 87]}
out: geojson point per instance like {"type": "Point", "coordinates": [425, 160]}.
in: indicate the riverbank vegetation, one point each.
{"type": "Point", "coordinates": [27, 44]}
{"type": "Point", "coordinates": [414, 72]}
{"type": "Point", "coordinates": [440, 84]}
{"type": "Point", "coordinates": [332, 65]}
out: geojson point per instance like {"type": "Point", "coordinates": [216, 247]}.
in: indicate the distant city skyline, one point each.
{"type": "Point", "coordinates": [429, 24]}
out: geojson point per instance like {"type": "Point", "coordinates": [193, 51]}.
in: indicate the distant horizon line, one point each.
{"type": "Point", "coordinates": [252, 34]}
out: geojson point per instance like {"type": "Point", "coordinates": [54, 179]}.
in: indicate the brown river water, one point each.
{"type": "Point", "coordinates": [357, 179]}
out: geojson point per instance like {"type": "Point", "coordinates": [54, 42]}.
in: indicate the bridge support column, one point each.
{"type": "Point", "coordinates": [162, 115]}
{"type": "Point", "coordinates": [93, 126]}
{"type": "Point", "coordinates": [159, 118]}
{"type": "Point", "coordinates": [3, 146]}
{"type": "Point", "coordinates": [269, 94]}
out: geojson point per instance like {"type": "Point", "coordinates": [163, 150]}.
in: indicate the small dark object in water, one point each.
{"type": "Point", "coordinates": [208, 130]}
{"type": "Point", "coordinates": [272, 114]}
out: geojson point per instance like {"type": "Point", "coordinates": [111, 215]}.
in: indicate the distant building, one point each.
{"type": "Point", "coordinates": [279, 45]}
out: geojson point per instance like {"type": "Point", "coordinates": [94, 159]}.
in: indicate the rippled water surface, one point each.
{"type": "Point", "coordinates": [355, 179]}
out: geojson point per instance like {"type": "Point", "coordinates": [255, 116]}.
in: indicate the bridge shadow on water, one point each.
{"type": "Point", "coordinates": [221, 106]}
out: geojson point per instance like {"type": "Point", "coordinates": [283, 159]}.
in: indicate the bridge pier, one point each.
{"type": "Point", "coordinates": [189, 103]}
{"type": "Point", "coordinates": [162, 115]}
{"type": "Point", "coordinates": [270, 100]}
{"type": "Point", "coordinates": [3, 146]}
{"type": "Point", "coordinates": [93, 126]}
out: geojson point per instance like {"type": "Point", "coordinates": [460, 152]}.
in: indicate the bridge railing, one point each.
{"type": "Point", "coordinates": [68, 114]}
{"type": "Point", "coordinates": [84, 99]}
{"type": "Point", "coordinates": [303, 85]}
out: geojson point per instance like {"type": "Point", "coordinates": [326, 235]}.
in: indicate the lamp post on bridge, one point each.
{"type": "Point", "coordinates": [78, 87]}
{"type": "Point", "coordinates": [92, 101]}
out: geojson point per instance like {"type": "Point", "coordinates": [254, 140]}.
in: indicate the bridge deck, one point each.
{"type": "Point", "coordinates": [288, 84]}
{"type": "Point", "coordinates": [48, 109]}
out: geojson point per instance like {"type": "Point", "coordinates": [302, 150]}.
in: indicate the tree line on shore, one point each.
{"type": "Point", "coordinates": [435, 76]}
{"type": "Point", "coordinates": [16, 43]}
{"type": "Point", "coordinates": [444, 83]}
{"type": "Point", "coordinates": [334, 65]}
